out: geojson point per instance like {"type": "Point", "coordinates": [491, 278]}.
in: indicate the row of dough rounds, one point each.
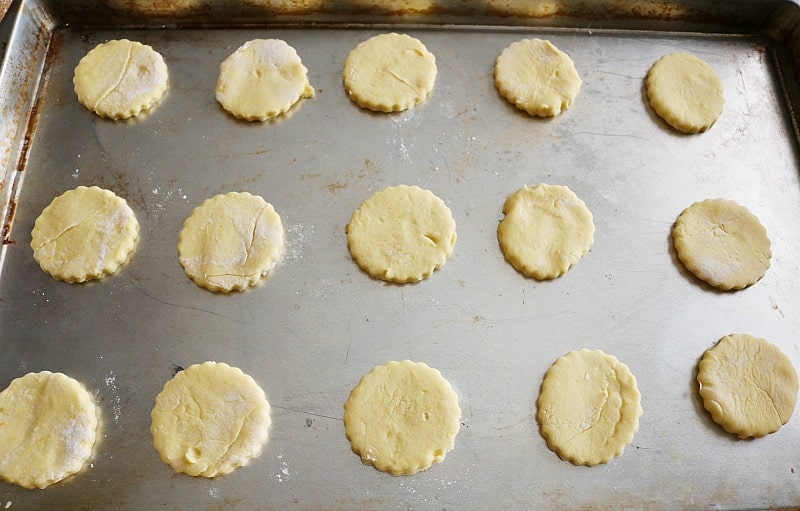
{"type": "Point", "coordinates": [401, 417]}
{"type": "Point", "coordinates": [386, 73]}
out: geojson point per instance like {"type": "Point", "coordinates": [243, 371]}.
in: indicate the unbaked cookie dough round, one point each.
{"type": "Point", "coordinates": [546, 229]}
{"type": "Point", "coordinates": [537, 77]}
{"type": "Point", "coordinates": [210, 419]}
{"type": "Point", "coordinates": [230, 242]}
{"type": "Point", "coordinates": [685, 92]}
{"type": "Point", "coordinates": [85, 233]}
{"type": "Point", "coordinates": [120, 79]}
{"type": "Point", "coordinates": [402, 417]}
{"type": "Point", "coordinates": [48, 426]}
{"type": "Point", "coordinates": [589, 407]}
{"type": "Point", "coordinates": [401, 234]}
{"type": "Point", "coordinates": [748, 385]}
{"type": "Point", "coordinates": [262, 79]}
{"type": "Point", "coordinates": [389, 73]}
{"type": "Point", "coordinates": [722, 243]}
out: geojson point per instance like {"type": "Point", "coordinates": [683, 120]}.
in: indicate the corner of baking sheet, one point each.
{"type": "Point", "coordinates": [784, 30]}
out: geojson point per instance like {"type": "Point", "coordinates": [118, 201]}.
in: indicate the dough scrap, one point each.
{"type": "Point", "coordinates": [85, 233]}
{"type": "Point", "coordinates": [401, 234]}
{"type": "Point", "coordinates": [389, 73]}
{"type": "Point", "coordinates": [48, 426]}
{"type": "Point", "coordinates": [210, 419]}
{"type": "Point", "coordinates": [589, 407]}
{"type": "Point", "coordinates": [685, 92]}
{"type": "Point", "coordinates": [722, 243]}
{"type": "Point", "coordinates": [230, 242]}
{"type": "Point", "coordinates": [748, 385]}
{"type": "Point", "coordinates": [402, 417]}
{"type": "Point", "coordinates": [546, 229]}
{"type": "Point", "coordinates": [262, 79]}
{"type": "Point", "coordinates": [120, 79]}
{"type": "Point", "coordinates": [537, 77]}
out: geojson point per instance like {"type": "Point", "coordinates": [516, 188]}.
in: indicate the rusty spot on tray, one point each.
{"type": "Point", "coordinates": [335, 187]}
{"type": "Point", "coordinates": [12, 209]}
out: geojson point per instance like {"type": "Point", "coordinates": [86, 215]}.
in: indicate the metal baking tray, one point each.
{"type": "Point", "coordinates": [318, 323]}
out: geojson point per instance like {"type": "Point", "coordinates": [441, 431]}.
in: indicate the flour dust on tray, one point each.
{"type": "Point", "coordinates": [210, 419]}
{"type": "Point", "coordinates": [120, 79]}
{"type": "Point", "coordinates": [48, 426]}
{"type": "Point", "coordinates": [402, 417]}
{"type": "Point", "coordinates": [85, 233]}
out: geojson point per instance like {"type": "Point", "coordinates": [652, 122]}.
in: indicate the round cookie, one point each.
{"type": "Point", "coordinates": [230, 242]}
{"type": "Point", "coordinates": [589, 407]}
{"type": "Point", "coordinates": [748, 385]}
{"type": "Point", "coordinates": [85, 233]}
{"type": "Point", "coordinates": [48, 426]}
{"type": "Point", "coordinates": [685, 91]}
{"type": "Point", "coordinates": [546, 229]}
{"type": "Point", "coordinates": [120, 79]}
{"type": "Point", "coordinates": [389, 73]}
{"type": "Point", "coordinates": [402, 417]}
{"type": "Point", "coordinates": [537, 77]}
{"type": "Point", "coordinates": [210, 419]}
{"type": "Point", "coordinates": [263, 78]}
{"type": "Point", "coordinates": [722, 243]}
{"type": "Point", "coordinates": [401, 234]}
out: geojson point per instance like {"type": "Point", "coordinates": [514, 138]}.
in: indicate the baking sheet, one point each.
{"type": "Point", "coordinates": [318, 324]}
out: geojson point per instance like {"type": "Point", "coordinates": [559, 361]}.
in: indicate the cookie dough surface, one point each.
{"type": "Point", "coordinates": [401, 234]}
{"type": "Point", "coordinates": [210, 419]}
{"type": "Point", "coordinates": [537, 77]}
{"type": "Point", "coordinates": [546, 229]}
{"type": "Point", "coordinates": [402, 417]}
{"type": "Point", "coordinates": [722, 243]}
{"type": "Point", "coordinates": [389, 73]}
{"type": "Point", "coordinates": [120, 79]}
{"type": "Point", "coordinates": [48, 426]}
{"type": "Point", "coordinates": [230, 242]}
{"type": "Point", "coordinates": [685, 91]}
{"type": "Point", "coordinates": [589, 407]}
{"type": "Point", "coordinates": [262, 79]}
{"type": "Point", "coordinates": [85, 233]}
{"type": "Point", "coordinates": [748, 385]}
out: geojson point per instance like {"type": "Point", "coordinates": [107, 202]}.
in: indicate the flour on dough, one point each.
{"type": "Point", "coordinates": [401, 234]}
{"type": "Point", "coordinates": [402, 417]}
{"type": "Point", "coordinates": [120, 79]}
{"type": "Point", "coordinates": [48, 426]}
{"type": "Point", "coordinates": [389, 73]}
{"type": "Point", "coordinates": [722, 243]}
{"type": "Point", "coordinates": [210, 419]}
{"type": "Point", "coordinates": [589, 407]}
{"type": "Point", "coordinates": [85, 233]}
{"type": "Point", "coordinates": [537, 77]}
{"type": "Point", "coordinates": [748, 385]}
{"type": "Point", "coordinates": [262, 79]}
{"type": "Point", "coordinates": [230, 242]}
{"type": "Point", "coordinates": [546, 229]}
{"type": "Point", "coordinates": [685, 91]}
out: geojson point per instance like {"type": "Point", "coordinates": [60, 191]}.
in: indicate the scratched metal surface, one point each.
{"type": "Point", "coordinates": [318, 324]}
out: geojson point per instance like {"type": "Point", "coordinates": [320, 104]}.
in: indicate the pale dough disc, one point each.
{"type": "Point", "coordinates": [589, 407]}
{"type": "Point", "coordinates": [48, 426]}
{"type": "Point", "coordinates": [722, 243]}
{"type": "Point", "coordinates": [389, 73]}
{"type": "Point", "coordinates": [230, 241]}
{"type": "Point", "coordinates": [546, 229]}
{"type": "Point", "coordinates": [401, 234]}
{"type": "Point", "coordinates": [262, 79]}
{"type": "Point", "coordinates": [402, 417]}
{"type": "Point", "coordinates": [537, 77]}
{"type": "Point", "coordinates": [210, 419]}
{"type": "Point", "coordinates": [748, 385]}
{"type": "Point", "coordinates": [120, 78]}
{"type": "Point", "coordinates": [84, 234]}
{"type": "Point", "coordinates": [685, 91]}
